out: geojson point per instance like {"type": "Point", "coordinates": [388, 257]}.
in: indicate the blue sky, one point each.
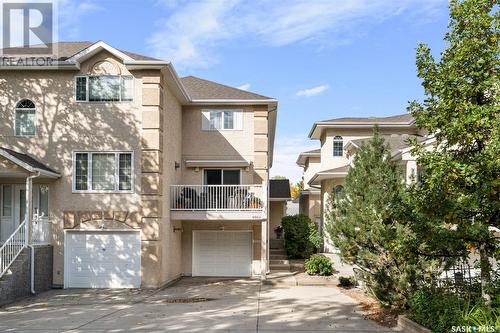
{"type": "Point", "coordinates": [321, 59]}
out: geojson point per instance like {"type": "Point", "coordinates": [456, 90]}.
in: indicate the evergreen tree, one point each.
{"type": "Point", "coordinates": [458, 203]}
{"type": "Point", "coordinates": [365, 222]}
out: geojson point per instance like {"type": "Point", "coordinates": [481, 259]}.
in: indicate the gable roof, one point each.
{"type": "Point", "coordinates": [301, 159]}
{"type": "Point", "coordinates": [66, 50]}
{"type": "Point", "coordinates": [279, 189]}
{"type": "Point", "coordinates": [27, 162]}
{"type": "Point", "coordinates": [201, 89]}
{"type": "Point", "coordinates": [401, 120]}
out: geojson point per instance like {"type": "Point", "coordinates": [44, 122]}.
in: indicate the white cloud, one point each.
{"type": "Point", "coordinates": [191, 34]}
{"type": "Point", "coordinates": [70, 14]}
{"type": "Point", "coordinates": [286, 151]}
{"type": "Point", "coordinates": [313, 91]}
{"type": "Point", "coordinates": [245, 86]}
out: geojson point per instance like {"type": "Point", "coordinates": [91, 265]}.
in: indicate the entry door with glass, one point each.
{"type": "Point", "coordinates": [13, 206]}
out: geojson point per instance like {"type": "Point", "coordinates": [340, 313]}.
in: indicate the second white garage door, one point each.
{"type": "Point", "coordinates": [102, 259]}
{"type": "Point", "coordinates": [222, 253]}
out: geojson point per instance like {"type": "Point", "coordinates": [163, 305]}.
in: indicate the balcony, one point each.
{"type": "Point", "coordinates": [217, 202]}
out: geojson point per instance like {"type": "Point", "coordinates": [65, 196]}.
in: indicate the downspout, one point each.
{"type": "Point", "coordinates": [29, 214]}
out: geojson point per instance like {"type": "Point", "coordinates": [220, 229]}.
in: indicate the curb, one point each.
{"type": "Point", "coordinates": [409, 326]}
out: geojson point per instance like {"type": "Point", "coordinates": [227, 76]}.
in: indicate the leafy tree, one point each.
{"type": "Point", "coordinates": [296, 188]}
{"type": "Point", "coordinates": [301, 236]}
{"type": "Point", "coordinates": [366, 223]}
{"type": "Point", "coordinates": [459, 199]}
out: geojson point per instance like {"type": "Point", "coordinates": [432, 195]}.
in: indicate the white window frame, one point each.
{"type": "Point", "coordinates": [237, 124]}
{"type": "Point", "coordinates": [87, 89]}
{"type": "Point", "coordinates": [89, 171]}
{"type": "Point", "coordinates": [222, 175]}
{"type": "Point", "coordinates": [15, 119]}
{"type": "Point", "coordinates": [337, 139]}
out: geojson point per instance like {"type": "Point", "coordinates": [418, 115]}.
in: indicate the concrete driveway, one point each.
{"type": "Point", "coordinates": [191, 305]}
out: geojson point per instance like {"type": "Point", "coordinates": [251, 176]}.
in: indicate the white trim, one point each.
{"type": "Point", "coordinates": [202, 230]}
{"type": "Point", "coordinates": [87, 93]}
{"type": "Point", "coordinates": [322, 125]}
{"type": "Point", "coordinates": [237, 120]}
{"type": "Point", "coordinates": [96, 47]}
{"type": "Point", "coordinates": [89, 171]}
{"type": "Point", "coordinates": [217, 164]}
{"type": "Point", "coordinates": [66, 258]}
{"type": "Point", "coordinates": [27, 109]}
{"type": "Point", "coordinates": [26, 166]}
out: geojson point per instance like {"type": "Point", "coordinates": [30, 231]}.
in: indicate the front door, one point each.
{"type": "Point", "coordinates": [13, 206]}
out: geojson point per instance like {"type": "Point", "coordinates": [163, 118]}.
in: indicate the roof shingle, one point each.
{"type": "Point", "coordinates": [400, 118]}
{"type": "Point", "coordinates": [279, 189]}
{"type": "Point", "coordinates": [203, 89]}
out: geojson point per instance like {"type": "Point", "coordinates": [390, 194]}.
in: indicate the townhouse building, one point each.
{"type": "Point", "coordinates": [134, 175]}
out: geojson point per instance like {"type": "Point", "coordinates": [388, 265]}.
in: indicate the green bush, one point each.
{"type": "Point", "coordinates": [301, 236]}
{"type": "Point", "coordinates": [435, 309]}
{"type": "Point", "coordinates": [319, 264]}
{"type": "Point", "coordinates": [347, 281]}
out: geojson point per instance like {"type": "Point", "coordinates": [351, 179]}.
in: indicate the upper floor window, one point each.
{"type": "Point", "coordinates": [338, 146]}
{"type": "Point", "coordinates": [221, 177]}
{"type": "Point", "coordinates": [213, 120]}
{"type": "Point", "coordinates": [102, 171]}
{"type": "Point", "coordinates": [25, 118]}
{"type": "Point", "coordinates": [104, 88]}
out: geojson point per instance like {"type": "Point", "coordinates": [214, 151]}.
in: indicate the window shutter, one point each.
{"type": "Point", "coordinates": [205, 120]}
{"type": "Point", "coordinates": [238, 117]}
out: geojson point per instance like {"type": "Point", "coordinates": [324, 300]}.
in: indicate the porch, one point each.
{"type": "Point", "coordinates": [18, 195]}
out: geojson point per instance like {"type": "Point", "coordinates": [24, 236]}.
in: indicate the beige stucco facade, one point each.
{"type": "Point", "coordinates": [324, 173]}
{"type": "Point", "coordinates": [160, 129]}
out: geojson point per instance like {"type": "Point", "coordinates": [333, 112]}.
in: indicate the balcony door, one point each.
{"type": "Point", "coordinates": [222, 177]}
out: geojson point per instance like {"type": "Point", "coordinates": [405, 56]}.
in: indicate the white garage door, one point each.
{"type": "Point", "coordinates": [102, 259]}
{"type": "Point", "coordinates": [222, 253]}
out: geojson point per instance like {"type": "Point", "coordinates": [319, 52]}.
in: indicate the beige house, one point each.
{"type": "Point", "coordinates": [325, 169]}
{"type": "Point", "coordinates": [135, 175]}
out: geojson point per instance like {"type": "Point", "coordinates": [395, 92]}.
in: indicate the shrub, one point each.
{"type": "Point", "coordinates": [347, 281]}
{"type": "Point", "coordinates": [435, 309]}
{"type": "Point", "coordinates": [319, 264]}
{"type": "Point", "coordinates": [301, 236]}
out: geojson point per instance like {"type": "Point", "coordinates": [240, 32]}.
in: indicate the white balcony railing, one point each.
{"type": "Point", "coordinates": [41, 231]}
{"type": "Point", "coordinates": [216, 197]}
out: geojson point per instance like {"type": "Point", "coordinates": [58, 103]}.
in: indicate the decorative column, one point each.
{"type": "Point", "coordinates": [151, 177]}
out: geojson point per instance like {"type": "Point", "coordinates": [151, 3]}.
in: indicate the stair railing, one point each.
{"type": "Point", "coordinates": [12, 247]}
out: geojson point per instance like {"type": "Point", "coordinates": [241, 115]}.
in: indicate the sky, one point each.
{"type": "Point", "coordinates": [321, 59]}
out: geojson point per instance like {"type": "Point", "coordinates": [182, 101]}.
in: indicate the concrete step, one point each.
{"type": "Point", "coordinates": [278, 257]}
{"type": "Point", "coordinates": [276, 251]}
{"type": "Point", "coordinates": [278, 262]}
{"type": "Point", "coordinates": [279, 267]}
{"type": "Point", "coordinates": [276, 243]}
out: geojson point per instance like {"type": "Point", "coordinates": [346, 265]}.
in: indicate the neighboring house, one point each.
{"type": "Point", "coordinates": [325, 169]}
{"type": "Point", "coordinates": [279, 195]}
{"type": "Point", "coordinates": [139, 176]}
{"type": "Point", "coordinates": [309, 199]}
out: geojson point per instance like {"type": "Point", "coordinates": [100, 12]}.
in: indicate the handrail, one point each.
{"type": "Point", "coordinates": [216, 197]}
{"type": "Point", "coordinates": [12, 247]}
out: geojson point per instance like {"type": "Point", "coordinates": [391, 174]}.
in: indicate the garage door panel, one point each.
{"type": "Point", "coordinates": [222, 253]}
{"type": "Point", "coordinates": [103, 259]}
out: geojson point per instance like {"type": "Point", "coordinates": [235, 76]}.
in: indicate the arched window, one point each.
{"type": "Point", "coordinates": [338, 146]}
{"type": "Point", "coordinates": [338, 189]}
{"type": "Point", "coordinates": [25, 117]}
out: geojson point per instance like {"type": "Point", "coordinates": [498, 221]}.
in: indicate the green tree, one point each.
{"type": "Point", "coordinates": [459, 199]}
{"type": "Point", "coordinates": [365, 222]}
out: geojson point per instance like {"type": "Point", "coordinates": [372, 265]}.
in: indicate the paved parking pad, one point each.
{"type": "Point", "coordinates": [190, 305]}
